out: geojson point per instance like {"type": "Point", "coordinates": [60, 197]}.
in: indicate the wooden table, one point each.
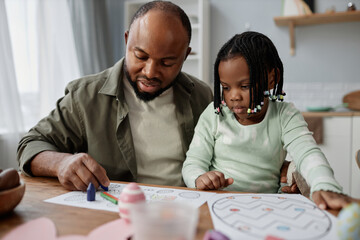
{"type": "Point", "coordinates": [82, 220]}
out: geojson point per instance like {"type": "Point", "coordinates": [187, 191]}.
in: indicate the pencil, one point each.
{"type": "Point", "coordinates": [109, 197]}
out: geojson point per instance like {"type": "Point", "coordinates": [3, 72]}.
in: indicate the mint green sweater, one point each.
{"type": "Point", "coordinates": [253, 154]}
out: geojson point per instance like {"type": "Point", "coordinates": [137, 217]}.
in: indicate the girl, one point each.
{"type": "Point", "coordinates": [243, 146]}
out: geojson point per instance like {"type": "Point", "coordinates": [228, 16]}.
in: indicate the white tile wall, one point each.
{"type": "Point", "coordinates": [318, 94]}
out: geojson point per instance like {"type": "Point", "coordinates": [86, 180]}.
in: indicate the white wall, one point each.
{"type": "Point", "coordinates": [326, 64]}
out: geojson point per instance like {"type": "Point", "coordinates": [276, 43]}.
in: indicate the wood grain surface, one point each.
{"type": "Point", "coordinates": [74, 220]}
{"type": "Point", "coordinates": [70, 220]}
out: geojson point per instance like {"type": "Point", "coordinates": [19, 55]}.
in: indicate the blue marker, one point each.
{"type": "Point", "coordinates": [103, 187]}
{"type": "Point", "coordinates": [91, 192]}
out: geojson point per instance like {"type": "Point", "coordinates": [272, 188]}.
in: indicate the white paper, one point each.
{"type": "Point", "coordinates": [256, 216]}
{"type": "Point", "coordinates": [79, 199]}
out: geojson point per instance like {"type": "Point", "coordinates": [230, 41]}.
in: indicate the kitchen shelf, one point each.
{"type": "Point", "coordinates": [331, 114]}
{"type": "Point", "coordinates": [314, 19]}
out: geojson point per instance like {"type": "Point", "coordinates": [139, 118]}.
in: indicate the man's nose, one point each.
{"type": "Point", "coordinates": [150, 69]}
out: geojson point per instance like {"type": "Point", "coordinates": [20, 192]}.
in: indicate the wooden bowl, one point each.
{"type": "Point", "coordinates": [10, 198]}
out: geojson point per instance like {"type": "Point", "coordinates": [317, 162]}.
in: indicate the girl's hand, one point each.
{"type": "Point", "coordinates": [293, 188]}
{"type": "Point", "coordinates": [331, 200]}
{"type": "Point", "coordinates": [212, 180]}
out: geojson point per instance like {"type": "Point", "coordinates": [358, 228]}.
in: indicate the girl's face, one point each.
{"type": "Point", "coordinates": [235, 81]}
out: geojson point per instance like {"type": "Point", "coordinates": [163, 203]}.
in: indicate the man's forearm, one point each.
{"type": "Point", "coordinates": [47, 163]}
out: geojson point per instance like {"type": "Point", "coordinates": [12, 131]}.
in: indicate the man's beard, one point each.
{"type": "Point", "coordinates": [146, 97]}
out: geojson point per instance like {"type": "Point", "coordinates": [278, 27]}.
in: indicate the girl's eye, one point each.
{"type": "Point", "coordinates": [225, 88]}
{"type": "Point", "coordinates": [245, 87]}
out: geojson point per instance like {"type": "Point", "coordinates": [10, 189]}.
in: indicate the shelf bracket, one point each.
{"type": "Point", "coordinates": [315, 18]}
{"type": "Point", "coordinates": [292, 37]}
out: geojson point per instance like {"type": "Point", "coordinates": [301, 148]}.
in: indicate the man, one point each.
{"type": "Point", "coordinates": [132, 122]}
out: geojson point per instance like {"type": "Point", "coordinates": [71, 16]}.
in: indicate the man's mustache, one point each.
{"type": "Point", "coordinates": [140, 78]}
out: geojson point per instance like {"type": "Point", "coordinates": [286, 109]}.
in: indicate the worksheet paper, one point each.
{"type": "Point", "coordinates": [282, 216]}
{"type": "Point", "coordinates": [79, 199]}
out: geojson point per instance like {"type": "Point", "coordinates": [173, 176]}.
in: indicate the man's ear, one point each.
{"type": "Point", "coordinates": [126, 36]}
{"type": "Point", "coordinates": [187, 52]}
{"type": "Point", "coordinates": [271, 77]}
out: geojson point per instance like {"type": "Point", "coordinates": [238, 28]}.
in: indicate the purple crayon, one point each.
{"type": "Point", "coordinates": [91, 192]}
{"type": "Point", "coordinates": [215, 235]}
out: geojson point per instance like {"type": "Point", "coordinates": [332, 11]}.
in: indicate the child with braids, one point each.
{"type": "Point", "coordinates": [242, 146]}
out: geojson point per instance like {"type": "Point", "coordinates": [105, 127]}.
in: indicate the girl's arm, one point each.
{"type": "Point", "coordinates": [310, 161]}
{"type": "Point", "coordinates": [201, 150]}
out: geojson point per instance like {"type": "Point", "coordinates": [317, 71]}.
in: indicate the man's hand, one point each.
{"type": "Point", "coordinates": [331, 200]}
{"type": "Point", "coordinates": [74, 171]}
{"type": "Point", "coordinates": [213, 180]}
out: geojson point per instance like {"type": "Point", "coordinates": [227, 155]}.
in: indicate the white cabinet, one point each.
{"type": "Point", "coordinates": [197, 63]}
{"type": "Point", "coordinates": [341, 141]}
{"type": "Point", "coordinates": [337, 148]}
{"type": "Point", "coordinates": [355, 169]}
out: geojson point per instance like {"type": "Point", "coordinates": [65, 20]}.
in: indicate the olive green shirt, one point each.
{"type": "Point", "coordinates": [92, 117]}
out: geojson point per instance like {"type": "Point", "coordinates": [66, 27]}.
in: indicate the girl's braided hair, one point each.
{"type": "Point", "coordinates": [261, 57]}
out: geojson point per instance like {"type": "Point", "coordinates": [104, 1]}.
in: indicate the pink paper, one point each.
{"type": "Point", "coordinates": [39, 229]}
{"type": "Point", "coordinates": [44, 229]}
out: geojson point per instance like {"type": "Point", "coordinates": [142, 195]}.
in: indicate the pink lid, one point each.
{"type": "Point", "coordinates": [132, 193]}
{"type": "Point", "coordinates": [132, 198]}
{"type": "Point", "coordinates": [132, 186]}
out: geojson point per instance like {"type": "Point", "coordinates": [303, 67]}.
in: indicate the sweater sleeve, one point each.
{"type": "Point", "coordinates": [60, 131]}
{"type": "Point", "coordinates": [201, 150]}
{"type": "Point", "coordinates": [309, 159]}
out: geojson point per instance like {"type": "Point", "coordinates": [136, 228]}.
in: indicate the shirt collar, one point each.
{"type": "Point", "coordinates": [113, 81]}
